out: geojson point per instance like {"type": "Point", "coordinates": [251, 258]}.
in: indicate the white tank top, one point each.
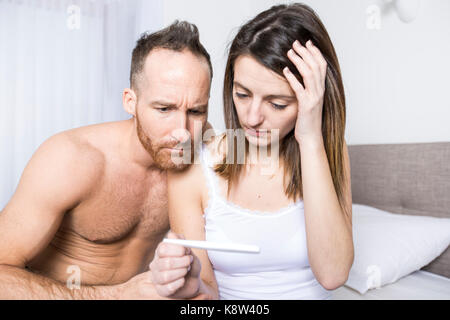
{"type": "Point", "coordinates": [280, 271]}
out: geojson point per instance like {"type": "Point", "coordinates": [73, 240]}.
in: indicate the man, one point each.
{"type": "Point", "coordinates": [91, 204]}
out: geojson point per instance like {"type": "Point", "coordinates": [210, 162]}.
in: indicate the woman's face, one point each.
{"type": "Point", "coordinates": [264, 101]}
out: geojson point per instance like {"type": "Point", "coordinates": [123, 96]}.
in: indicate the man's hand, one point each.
{"type": "Point", "coordinates": [141, 287]}
{"type": "Point", "coordinates": [175, 270]}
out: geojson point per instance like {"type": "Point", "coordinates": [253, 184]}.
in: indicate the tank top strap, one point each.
{"type": "Point", "coordinates": [208, 172]}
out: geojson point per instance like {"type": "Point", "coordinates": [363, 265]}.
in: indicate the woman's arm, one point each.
{"type": "Point", "coordinates": [328, 226]}
{"type": "Point", "coordinates": [185, 192]}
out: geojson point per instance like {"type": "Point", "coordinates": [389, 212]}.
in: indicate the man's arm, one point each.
{"type": "Point", "coordinates": [55, 180]}
{"type": "Point", "coordinates": [18, 283]}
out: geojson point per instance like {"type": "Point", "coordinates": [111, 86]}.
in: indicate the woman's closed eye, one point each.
{"type": "Point", "coordinates": [241, 95]}
{"type": "Point", "coordinates": [278, 106]}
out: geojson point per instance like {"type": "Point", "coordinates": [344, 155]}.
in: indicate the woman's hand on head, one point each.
{"type": "Point", "coordinates": [175, 270]}
{"type": "Point", "coordinates": [312, 67]}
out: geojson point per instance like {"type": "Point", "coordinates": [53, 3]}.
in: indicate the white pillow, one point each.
{"type": "Point", "coordinates": [389, 246]}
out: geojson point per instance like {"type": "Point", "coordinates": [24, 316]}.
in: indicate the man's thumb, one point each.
{"type": "Point", "coordinates": [173, 235]}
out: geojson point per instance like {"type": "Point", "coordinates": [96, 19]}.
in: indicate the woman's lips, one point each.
{"type": "Point", "coordinates": [255, 133]}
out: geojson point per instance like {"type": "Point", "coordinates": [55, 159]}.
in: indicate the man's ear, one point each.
{"type": "Point", "coordinates": [129, 101]}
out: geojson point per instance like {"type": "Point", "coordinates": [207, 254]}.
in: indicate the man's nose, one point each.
{"type": "Point", "coordinates": [181, 134]}
{"type": "Point", "coordinates": [254, 114]}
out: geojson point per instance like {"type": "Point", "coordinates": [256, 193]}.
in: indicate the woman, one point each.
{"type": "Point", "coordinates": [284, 90]}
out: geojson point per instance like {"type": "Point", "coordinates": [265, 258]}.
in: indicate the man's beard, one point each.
{"type": "Point", "coordinates": [161, 156]}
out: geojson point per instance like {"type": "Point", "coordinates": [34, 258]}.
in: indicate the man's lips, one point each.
{"type": "Point", "coordinates": [174, 150]}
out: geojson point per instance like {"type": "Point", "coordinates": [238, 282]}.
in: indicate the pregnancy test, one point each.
{"type": "Point", "coordinates": [217, 246]}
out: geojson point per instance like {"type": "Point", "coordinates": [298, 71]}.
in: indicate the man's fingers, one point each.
{"type": "Point", "coordinates": [173, 235]}
{"type": "Point", "coordinates": [170, 288]}
{"type": "Point", "coordinates": [169, 276]}
{"type": "Point", "coordinates": [164, 264]}
{"type": "Point", "coordinates": [202, 296]}
{"type": "Point", "coordinates": [165, 250]}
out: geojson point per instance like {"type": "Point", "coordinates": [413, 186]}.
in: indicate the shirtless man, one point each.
{"type": "Point", "coordinates": [92, 200]}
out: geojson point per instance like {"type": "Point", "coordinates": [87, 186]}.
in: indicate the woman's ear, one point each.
{"type": "Point", "coordinates": [129, 101]}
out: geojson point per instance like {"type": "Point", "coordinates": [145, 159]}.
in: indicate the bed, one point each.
{"type": "Point", "coordinates": [419, 285]}
{"type": "Point", "coordinates": [408, 179]}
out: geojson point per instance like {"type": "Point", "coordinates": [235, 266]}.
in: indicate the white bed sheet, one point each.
{"type": "Point", "coordinates": [419, 285]}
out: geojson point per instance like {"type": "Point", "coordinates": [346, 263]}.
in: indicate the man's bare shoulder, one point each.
{"type": "Point", "coordinates": [76, 146]}
{"type": "Point", "coordinates": [96, 141]}
{"type": "Point", "coordinates": [98, 137]}
{"type": "Point", "coordinates": [62, 172]}
{"type": "Point", "coordinates": [72, 155]}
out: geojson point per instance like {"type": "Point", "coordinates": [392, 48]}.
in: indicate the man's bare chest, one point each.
{"type": "Point", "coordinates": [123, 206]}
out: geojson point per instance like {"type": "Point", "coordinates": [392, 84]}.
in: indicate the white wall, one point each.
{"type": "Point", "coordinates": [63, 64]}
{"type": "Point", "coordinates": [395, 77]}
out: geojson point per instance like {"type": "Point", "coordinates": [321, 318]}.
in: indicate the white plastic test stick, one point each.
{"type": "Point", "coordinates": [217, 246]}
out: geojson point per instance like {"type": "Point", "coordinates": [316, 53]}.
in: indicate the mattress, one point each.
{"type": "Point", "coordinates": [419, 285]}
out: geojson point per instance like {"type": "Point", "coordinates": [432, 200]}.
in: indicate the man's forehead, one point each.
{"type": "Point", "coordinates": [172, 75]}
{"type": "Point", "coordinates": [175, 95]}
{"type": "Point", "coordinates": [161, 62]}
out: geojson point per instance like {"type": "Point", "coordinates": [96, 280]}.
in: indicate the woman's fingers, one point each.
{"type": "Point", "coordinates": [293, 82]}
{"type": "Point", "coordinates": [313, 71]}
{"type": "Point", "coordinates": [320, 59]}
{"type": "Point", "coordinates": [304, 69]}
{"type": "Point", "coordinates": [313, 67]}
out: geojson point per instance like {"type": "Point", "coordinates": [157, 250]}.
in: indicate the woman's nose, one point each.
{"type": "Point", "coordinates": [255, 116]}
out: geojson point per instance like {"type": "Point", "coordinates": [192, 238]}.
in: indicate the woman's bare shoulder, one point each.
{"type": "Point", "coordinates": [217, 147]}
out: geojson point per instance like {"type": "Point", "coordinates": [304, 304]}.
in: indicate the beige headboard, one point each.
{"type": "Point", "coordinates": [409, 179]}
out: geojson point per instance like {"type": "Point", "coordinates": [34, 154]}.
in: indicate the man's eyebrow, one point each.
{"type": "Point", "coordinates": [268, 97]}
{"type": "Point", "coordinates": [200, 106]}
{"type": "Point", "coordinates": [174, 105]}
{"type": "Point", "coordinates": [163, 103]}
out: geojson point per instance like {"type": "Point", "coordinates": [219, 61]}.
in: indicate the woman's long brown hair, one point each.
{"type": "Point", "coordinates": [267, 38]}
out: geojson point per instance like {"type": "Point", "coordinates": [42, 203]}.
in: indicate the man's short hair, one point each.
{"type": "Point", "coordinates": [178, 36]}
